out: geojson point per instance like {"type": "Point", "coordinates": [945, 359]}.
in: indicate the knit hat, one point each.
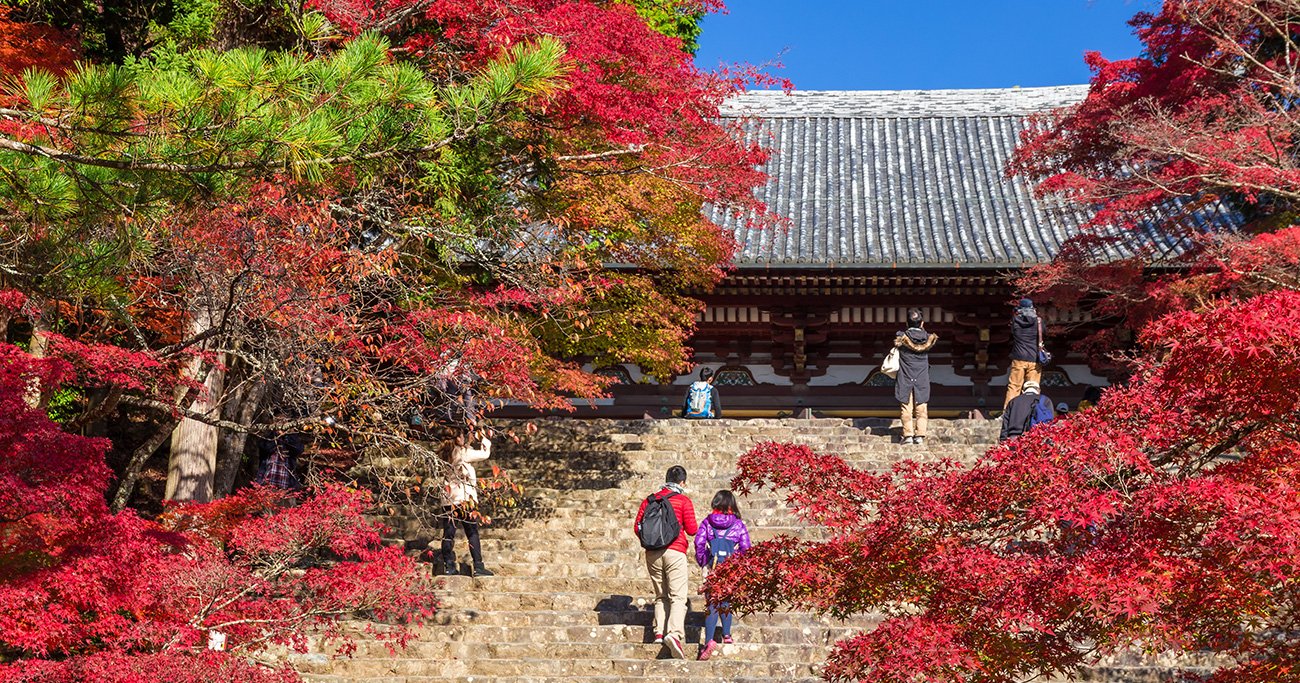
{"type": "Point", "coordinates": [1030, 387]}
{"type": "Point", "coordinates": [1026, 303]}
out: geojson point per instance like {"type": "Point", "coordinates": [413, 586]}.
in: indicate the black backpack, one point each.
{"type": "Point", "coordinates": [659, 525]}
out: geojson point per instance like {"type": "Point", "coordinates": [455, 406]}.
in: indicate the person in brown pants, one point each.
{"type": "Point", "coordinates": [668, 567]}
{"type": "Point", "coordinates": [1026, 333]}
{"type": "Point", "coordinates": [912, 386]}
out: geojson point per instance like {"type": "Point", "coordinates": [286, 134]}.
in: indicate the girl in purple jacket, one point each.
{"type": "Point", "coordinates": [722, 534]}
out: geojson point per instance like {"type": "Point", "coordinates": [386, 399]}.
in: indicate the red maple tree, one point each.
{"type": "Point", "coordinates": [1201, 120]}
{"type": "Point", "coordinates": [25, 45]}
{"type": "Point", "coordinates": [1166, 518]}
{"type": "Point", "coordinates": [332, 301]}
{"type": "Point", "coordinates": [89, 594]}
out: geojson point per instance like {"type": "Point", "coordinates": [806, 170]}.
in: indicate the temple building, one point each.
{"type": "Point", "coordinates": [890, 200]}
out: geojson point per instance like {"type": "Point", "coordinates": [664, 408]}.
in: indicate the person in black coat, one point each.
{"type": "Point", "coordinates": [912, 386]}
{"type": "Point", "coordinates": [1019, 417]}
{"type": "Point", "coordinates": [1026, 331]}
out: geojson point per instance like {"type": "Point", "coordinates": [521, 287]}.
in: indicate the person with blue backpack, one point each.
{"type": "Point", "coordinates": [662, 524]}
{"type": "Point", "coordinates": [702, 398]}
{"type": "Point", "coordinates": [1026, 411]}
{"type": "Point", "coordinates": [722, 535]}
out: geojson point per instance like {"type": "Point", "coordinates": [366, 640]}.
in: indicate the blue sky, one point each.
{"type": "Point", "coordinates": [903, 44]}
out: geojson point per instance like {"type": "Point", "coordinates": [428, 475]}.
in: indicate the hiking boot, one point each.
{"type": "Point", "coordinates": [480, 570]}
{"type": "Point", "coordinates": [674, 644]}
{"type": "Point", "coordinates": [708, 650]}
{"type": "Point", "coordinates": [449, 565]}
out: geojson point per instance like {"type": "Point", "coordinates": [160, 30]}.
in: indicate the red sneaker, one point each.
{"type": "Point", "coordinates": [675, 646]}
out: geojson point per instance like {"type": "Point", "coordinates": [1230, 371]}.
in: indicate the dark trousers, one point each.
{"type": "Point", "coordinates": [457, 516]}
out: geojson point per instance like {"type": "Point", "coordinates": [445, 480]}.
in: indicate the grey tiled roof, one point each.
{"type": "Point", "coordinates": [905, 178]}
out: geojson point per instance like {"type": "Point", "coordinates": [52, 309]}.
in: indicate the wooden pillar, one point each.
{"type": "Point", "coordinates": [973, 354]}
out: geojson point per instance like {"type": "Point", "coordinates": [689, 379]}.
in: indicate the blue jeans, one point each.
{"type": "Point", "coordinates": [711, 622]}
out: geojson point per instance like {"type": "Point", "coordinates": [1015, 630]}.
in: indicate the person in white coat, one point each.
{"type": "Point", "coordinates": [460, 497]}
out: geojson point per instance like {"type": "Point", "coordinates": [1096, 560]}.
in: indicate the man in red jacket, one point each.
{"type": "Point", "coordinates": [668, 567]}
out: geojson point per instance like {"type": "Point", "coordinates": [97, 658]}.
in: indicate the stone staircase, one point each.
{"type": "Point", "coordinates": [571, 600]}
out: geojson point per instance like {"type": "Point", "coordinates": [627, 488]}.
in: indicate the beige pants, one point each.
{"type": "Point", "coordinates": [1021, 371]}
{"type": "Point", "coordinates": [915, 417]}
{"type": "Point", "coordinates": [669, 572]}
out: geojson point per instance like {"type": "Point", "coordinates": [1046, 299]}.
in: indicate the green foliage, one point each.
{"type": "Point", "coordinates": [192, 24]}
{"type": "Point", "coordinates": [65, 404]}
{"type": "Point", "coordinates": [117, 149]}
{"type": "Point", "coordinates": [502, 186]}
{"type": "Point", "coordinates": [36, 88]}
{"type": "Point", "coordinates": [634, 319]}
{"type": "Point", "coordinates": [677, 18]}
{"type": "Point", "coordinates": [527, 71]}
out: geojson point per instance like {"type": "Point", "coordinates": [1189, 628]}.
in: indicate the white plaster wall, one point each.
{"type": "Point", "coordinates": [763, 374]}
{"type": "Point", "coordinates": [584, 402]}
{"type": "Point", "coordinates": [633, 371]}
{"type": "Point", "coordinates": [1079, 374]}
{"type": "Point", "coordinates": [856, 374]}
{"type": "Point", "coordinates": [842, 374]}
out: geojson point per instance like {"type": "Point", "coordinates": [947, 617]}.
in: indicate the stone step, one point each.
{"type": "Point", "coordinates": [601, 428]}
{"type": "Point", "coordinates": [549, 593]}
{"type": "Point", "coordinates": [621, 509]}
{"type": "Point", "coordinates": [685, 678]}
{"type": "Point", "coordinates": [597, 602]}
{"type": "Point", "coordinates": [702, 674]}
{"type": "Point", "coordinates": [571, 600]}
{"type": "Point", "coordinates": [701, 445]}
{"type": "Point", "coordinates": [497, 543]}
{"type": "Point", "coordinates": [555, 558]}
{"type": "Point", "coordinates": [701, 476]}
{"type": "Point", "coordinates": [624, 472]}
{"type": "Point", "coordinates": [743, 628]}
{"type": "Point", "coordinates": [704, 450]}
{"type": "Point", "coordinates": [550, 583]}
{"type": "Point", "coordinates": [621, 567]}
{"type": "Point", "coordinates": [428, 657]}
{"type": "Point", "coordinates": [542, 504]}
{"type": "Point", "coordinates": [543, 531]}
{"type": "Point", "coordinates": [626, 612]}
{"type": "Point", "coordinates": [540, 527]}
{"type": "Point", "coordinates": [627, 661]}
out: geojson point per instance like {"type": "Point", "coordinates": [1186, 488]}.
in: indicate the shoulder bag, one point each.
{"type": "Point", "coordinates": [1044, 356]}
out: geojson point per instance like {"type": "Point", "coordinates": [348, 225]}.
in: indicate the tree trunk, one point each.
{"type": "Point", "coordinates": [39, 347]}
{"type": "Point", "coordinates": [139, 457]}
{"type": "Point", "coordinates": [241, 408]}
{"type": "Point", "coordinates": [192, 466]}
